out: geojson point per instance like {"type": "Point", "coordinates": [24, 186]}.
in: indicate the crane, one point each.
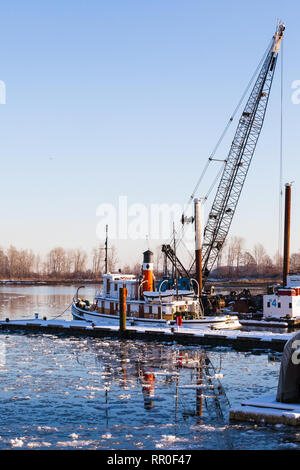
{"type": "Point", "coordinates": [237, 162]}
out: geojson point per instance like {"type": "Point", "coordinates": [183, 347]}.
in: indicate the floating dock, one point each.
{"type": "Point", "coordinates": [265, 323]}
{"type": "Point", "coordinates": [236, 339]}
{"type": "Point", "coordinates": [286, 324]}
{"type": "Point", "coordinates": [268, 411]}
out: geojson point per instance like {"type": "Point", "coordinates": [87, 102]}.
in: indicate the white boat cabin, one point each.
{"type": "Point", "coordinates": [149, 304]}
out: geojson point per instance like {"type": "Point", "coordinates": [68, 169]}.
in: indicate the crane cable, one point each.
{"type": "Point", "coordinates": [211, 157]}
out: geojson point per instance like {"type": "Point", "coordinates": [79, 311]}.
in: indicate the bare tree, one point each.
{"type": "Point", "coordinates": [249, 264]}
{"type": "Point", "coordinates": [237, 249]}
{"type": "Point", "coordinates": [278, 262]}
{"type": "Point", "coordinates": [13, 261]}
{"type": "Point", "coordinates": [259, 254]}
{"type": "Point", "coordinates": [230, 259]}
{"type": "Point", "coordinates": [137, 269]}
{"type": "Point", "coordinates": [112, 259]}
{"type": "Point", "coordinates": [295, 262]}
{"type": "Point", "coordinates": [127, 269]}
{"type": "Point", "coordinates": [4, 271]}
{"type": "Point", "coordinates": [268, 265]}
{"type": "Point", "coordinates": [57, 261]}
{"type": "Point", "coordinates": [79, 260]}
{"type": "Point", "coordinates": [97, 259]}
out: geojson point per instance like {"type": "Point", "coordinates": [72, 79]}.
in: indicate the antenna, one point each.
{"type": "Point", "coordinates": [106, 248]}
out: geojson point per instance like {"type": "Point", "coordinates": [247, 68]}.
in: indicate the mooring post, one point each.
{"type": "Point", "coordinates": [287, 228]}
{"type": "Point", "coordinates": [122, 308]}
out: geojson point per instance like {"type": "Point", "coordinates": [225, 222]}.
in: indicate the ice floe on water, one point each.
{"type": "Point", "coordinates": [16, 442]}
{"type": "Point", "coordinates": [78, 444]}
{"type": "Point", "coordinates": [47, 429]}
{"type": "Point", "coordinates": [85, 393]}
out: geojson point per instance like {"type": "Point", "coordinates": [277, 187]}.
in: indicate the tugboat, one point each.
{"type": "Point", "coordinates": [145, 305]}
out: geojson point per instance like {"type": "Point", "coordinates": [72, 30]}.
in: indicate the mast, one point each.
{"type": "Point", "coordinates": [106, 248]}
{"type": "Point", "coordinates": [198, 243]}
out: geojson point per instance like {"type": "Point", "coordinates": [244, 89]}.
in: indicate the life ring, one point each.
{"type": "Point", "coordinates": [178, 320]}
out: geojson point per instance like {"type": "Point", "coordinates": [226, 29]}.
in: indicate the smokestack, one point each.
{"type": "Point", "coordinates": [198, 243]}
{"type": "Point", "coordinates": [147, 271]}
{"type": "Point", "coordinates": [287, 228]}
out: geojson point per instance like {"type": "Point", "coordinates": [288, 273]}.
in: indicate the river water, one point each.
{"type": "Point", "coordinates": [61, 392]}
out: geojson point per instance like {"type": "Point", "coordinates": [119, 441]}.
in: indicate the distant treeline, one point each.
{"type": "Point", "coordinates": [59, 263]}
{"type": "Point", "coordinates": [234, 262]}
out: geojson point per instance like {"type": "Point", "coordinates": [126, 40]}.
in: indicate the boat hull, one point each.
{"type": "Point", "coordinates": [217, 322]}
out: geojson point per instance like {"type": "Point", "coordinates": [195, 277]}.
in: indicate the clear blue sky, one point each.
{"type": "Point", "coordinates": [128, 97]}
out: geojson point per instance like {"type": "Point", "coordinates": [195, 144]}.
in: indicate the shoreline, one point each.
{"type": "Point", "coordinates": [48, 282]}
{"type": "Point", "coordinates": [242, 283]}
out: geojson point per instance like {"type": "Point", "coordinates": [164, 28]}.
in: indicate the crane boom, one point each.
{"type": "Point", "coordinates": [239, 159]}
{"type": "Point", "coordinates": [171, 255]}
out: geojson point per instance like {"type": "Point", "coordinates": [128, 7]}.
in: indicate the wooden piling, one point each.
{"type": "Point", "coordinates": [122, 308]}
{"type": "Point", "coordinates": [287, 225]}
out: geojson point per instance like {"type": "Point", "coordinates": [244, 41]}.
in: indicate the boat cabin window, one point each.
{"type": "Point", "coordinates": [290, 305]}
{"type": "Point", "coordinates": [279, 304]}
{"type": "Point", "coordinates": [268, 304]}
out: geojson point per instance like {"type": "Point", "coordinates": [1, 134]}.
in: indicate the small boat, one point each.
{"type": "Point", "coordinates": [147, 306]}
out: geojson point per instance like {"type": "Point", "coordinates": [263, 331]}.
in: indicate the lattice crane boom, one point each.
{"type": "Point", "coordinates": [239, 159]}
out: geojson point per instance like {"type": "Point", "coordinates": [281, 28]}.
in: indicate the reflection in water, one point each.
{"type": "Point", "coordinates": [24, 301]}
{"type": "Point", "coordinates": [148, 389]}
{"type": "Point", "coordinates": [163, 374]}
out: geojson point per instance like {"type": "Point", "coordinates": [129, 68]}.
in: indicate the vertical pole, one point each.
{"type": "Point", "coordinates": [122, 308]}
{"type": "Point", "coordinates": [198, 243]}
{"type": "Point", "coordinates": [175, 257]}
{"type": "Point", "coordinates": [287, 227]}
{"type": "Point", "coordinates": [106, 249]}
